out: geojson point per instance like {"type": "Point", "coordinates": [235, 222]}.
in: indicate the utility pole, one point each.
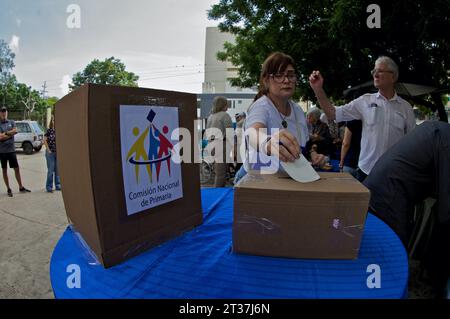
{"type": "Point", "coordinates": [48, 114]}
{"type": "Point", "coordinates": [44, 91]}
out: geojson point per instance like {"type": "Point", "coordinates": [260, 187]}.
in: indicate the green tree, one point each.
{"type": "Point", "coordinates": [51, 101]}
{"type": "Point", "coordinates": [22, 101]}
{"type": "Point", "coordinates": [6, 61]}
{"type": "Point", "coordinates": [6, 66]}
{"type": "Point", "coordinates": [333, 36]}
{"type": "Point", "coordinates": [110, 71]}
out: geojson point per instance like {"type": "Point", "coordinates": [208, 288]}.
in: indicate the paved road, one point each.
{"type": "Point", "coordinates": [30, 226]}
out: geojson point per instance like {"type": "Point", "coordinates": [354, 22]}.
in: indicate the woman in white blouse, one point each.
{"type": "Point", "coordinates": [276, 126]}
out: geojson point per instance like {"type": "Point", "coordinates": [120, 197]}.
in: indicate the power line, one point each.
{"type": "Point", "coordinates": [170, 74]}
{"type": "Point", "coordinates": [183, 74]}
{"type": "Point", "coordinates": [161, 69]}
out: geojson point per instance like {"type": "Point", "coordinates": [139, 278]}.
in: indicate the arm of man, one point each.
{"type": "Point", "coordinates": [12, 132]}
{"type": "Point", "coordinates": [316, 83]}
{"type": "Point", "coordinates": [7, 135]}
{"type": "Point", "coordinates": [347, 112]}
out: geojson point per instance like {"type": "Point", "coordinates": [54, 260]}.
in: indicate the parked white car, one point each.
{"type": "Point", "coordinates": [29, 137]}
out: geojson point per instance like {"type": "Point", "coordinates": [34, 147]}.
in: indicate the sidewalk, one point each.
{"type": "Point", "coordinates": [30, 227]}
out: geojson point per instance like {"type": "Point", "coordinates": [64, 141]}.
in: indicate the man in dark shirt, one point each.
{"type": "Point", "coordinates": [351, 147]}
{"type": "Point", "coordinates": [416, 167]}
{"type": "Point", "coordinates": [7, 150]}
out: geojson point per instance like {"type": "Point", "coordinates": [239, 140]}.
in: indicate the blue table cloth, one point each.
{"type": "Point", "coordinates": [201, 264]}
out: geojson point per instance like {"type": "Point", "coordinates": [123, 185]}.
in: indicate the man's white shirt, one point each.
{"type": "Point", "coordinates": [384, 123]}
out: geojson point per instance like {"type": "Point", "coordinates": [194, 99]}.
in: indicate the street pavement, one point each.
{"type": "Point", "coordinates": [30, 226]}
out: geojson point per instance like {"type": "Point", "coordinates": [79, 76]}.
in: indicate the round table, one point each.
{"type": "Point", "coordinates": [201, 264]}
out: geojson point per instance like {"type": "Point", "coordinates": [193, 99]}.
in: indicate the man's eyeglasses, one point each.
{"type": "Point", "coordinates": [279, 77]}
{"type": "Point", "coordinates": [375, 71]}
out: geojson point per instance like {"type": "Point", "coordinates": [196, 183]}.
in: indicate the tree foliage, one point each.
{"type": "Point", "coordinates": [333, 37]}
{"type": "Point", "coordinates": [6, 62]}
{"type": "Point", "coordinates": [110, 71]}
{"type": "Point", "coordinates": [22, 101]}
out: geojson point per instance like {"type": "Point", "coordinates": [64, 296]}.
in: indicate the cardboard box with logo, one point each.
{"type": "Point", "coordinates": [277, 216]}
{"type": "Point", "coordinates": [122, 189]}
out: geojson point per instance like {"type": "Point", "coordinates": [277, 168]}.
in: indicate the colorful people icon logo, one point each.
{"type": "Point", "coordinates": [138, 149]}
{"type": "Point", "coordinates": [153, 147]}
{"type": "Point", "coordinates": [154, 142]}
{"type": "Point", "coordinates": [159, 149]}
{"type": "Point", "coordinates": [164, 149]}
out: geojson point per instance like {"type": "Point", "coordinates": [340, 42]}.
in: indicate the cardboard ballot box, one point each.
{"type": "Point", "coordinates": [122, 189]}
{"type": "Point", "coordinates": [277, 216]}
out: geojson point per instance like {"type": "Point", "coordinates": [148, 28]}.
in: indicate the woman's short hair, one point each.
{"type": "Point", "coordinates": [277, 62]}
{"type": "Point", "coordinates": [391, 65]}
{"type": "Point", "coordinates": [314, 112]}
{"type": "Point", "coordinates": [220, 104]}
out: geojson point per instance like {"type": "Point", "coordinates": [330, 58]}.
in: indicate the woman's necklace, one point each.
{"type": "Point", "coordinates": [284, 123]}
{"type": "Point", "coordinates": [283, 120]}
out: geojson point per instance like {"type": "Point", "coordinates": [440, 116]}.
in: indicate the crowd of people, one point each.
{"type": "Point", "coordinates": [373, 137]}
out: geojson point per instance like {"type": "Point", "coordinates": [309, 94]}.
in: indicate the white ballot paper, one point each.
{"type": "Point", "coordinates": [301, 170]}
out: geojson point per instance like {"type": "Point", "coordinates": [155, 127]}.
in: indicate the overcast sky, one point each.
{"type": "Point", "coordinates": [162, 41]}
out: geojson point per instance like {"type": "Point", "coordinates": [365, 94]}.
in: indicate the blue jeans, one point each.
{"type": "Point", "coordinates": [240, 173]}
{"type": "Point", "coordinates": [52, 172]}
{"type": "Point", "coordinates": [351, 170]}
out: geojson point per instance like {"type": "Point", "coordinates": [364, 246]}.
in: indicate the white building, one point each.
{"type": "Point", "coordinates": [217, 74]}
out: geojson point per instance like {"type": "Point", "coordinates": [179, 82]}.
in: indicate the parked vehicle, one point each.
{"type": "Point", "coordinates": [29, 137]}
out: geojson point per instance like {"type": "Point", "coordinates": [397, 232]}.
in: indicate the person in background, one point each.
{"type": "Point", "coordinates": [337, 131]}
{"type": "Point", "coordinates": [50, 156]}
{"type": "Point", "coordinates": [351, 147]}
{"type": "Point", "coordinates": [219, 119]}
{"type": "Point", "coordinates": [386, 117]}
{"type": "Point", "coordinates": [319, 133]}
{"type": "Point", "coordinates": [240, 119]}
{"type": "Point", "coordinates": [8, 151]}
